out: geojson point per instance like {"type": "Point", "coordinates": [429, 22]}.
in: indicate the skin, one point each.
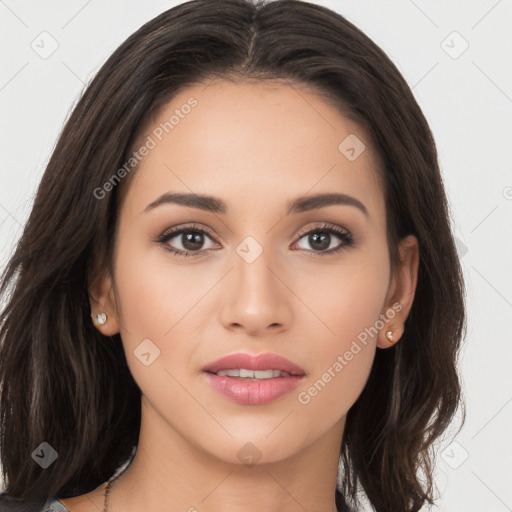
{"type": "Point", "coordinates": [256, 146]}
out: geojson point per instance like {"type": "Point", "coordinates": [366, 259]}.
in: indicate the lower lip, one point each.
{"type": "Point", "coordinates": [253, 392]}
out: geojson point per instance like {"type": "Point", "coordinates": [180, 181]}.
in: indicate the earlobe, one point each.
{"type": "Point", "coordinates": [390, 334]}
{"type": "Point", "coordinates": [401, 293]}
{"type": "Point", "coordinates": [103, 305]}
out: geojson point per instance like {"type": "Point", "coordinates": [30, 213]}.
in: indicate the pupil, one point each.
{"type": "Point", "coordinates": [325, 237]}
{"type": "Point", "coordinates": [193, 241]}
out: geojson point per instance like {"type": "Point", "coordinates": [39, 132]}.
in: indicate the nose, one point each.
{"type": "Point", "coordinates": [255, 298]}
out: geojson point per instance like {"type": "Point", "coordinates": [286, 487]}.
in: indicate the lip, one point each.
{"type": "Point", "coordinates": [254, 392]}
{"type": "Point", "coordinates": [259, 362]}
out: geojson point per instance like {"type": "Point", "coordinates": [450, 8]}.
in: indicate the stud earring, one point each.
{"type": "Point", "coordinates": [389, 336]}
{"type": "Point", "coordinates": [100, 319]}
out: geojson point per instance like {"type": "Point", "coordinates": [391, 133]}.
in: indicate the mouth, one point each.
{"type": "Point", "coordinates": [253, 380]}
{"type": "Point", "coordinates": [243, 373]}
{"type": "Point", "coordinates": [258, 366]}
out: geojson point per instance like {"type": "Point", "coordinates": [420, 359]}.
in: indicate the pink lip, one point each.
{"type": "Point", "coordinates": [254, 392]}
{"type": "Point", "coordinates": [260, 362]}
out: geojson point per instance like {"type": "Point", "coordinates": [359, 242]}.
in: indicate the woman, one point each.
{"type": "Point", "coordinates": [243, 207]}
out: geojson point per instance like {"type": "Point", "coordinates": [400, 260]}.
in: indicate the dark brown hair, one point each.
{"type": "Point", "coordinates": [65, 383]}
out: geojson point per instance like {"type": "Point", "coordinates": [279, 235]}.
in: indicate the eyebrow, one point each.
{"type": "Point", "coordinates": [298, 205]}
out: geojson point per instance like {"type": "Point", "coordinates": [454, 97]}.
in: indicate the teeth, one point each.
{"type": "Point", "coordinates": [242, 373]}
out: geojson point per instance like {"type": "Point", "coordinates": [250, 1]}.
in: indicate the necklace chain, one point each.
{"type": "Point", "coordinates": [107, 493]}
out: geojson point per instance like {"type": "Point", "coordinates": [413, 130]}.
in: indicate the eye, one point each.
{"type": "Point", "coordinates": [191, 238]}
{"type": "Point", "coordinates": [323, 237]}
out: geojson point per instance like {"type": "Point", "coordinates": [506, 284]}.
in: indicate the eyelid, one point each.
{"type": "Point", "coordinates": [344, 235]}
{"type": "Point", "coordinates": [190, 227]}
{"type": "Point", "coordinates": [323, 225]}
{"type": "Point", "coordinates": [175, 231]}
{"type": "Point", "coordinates": [299, 235]}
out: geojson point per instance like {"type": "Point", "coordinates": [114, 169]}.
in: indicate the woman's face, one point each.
{"type": "Point", "coordinates": [263, 278]}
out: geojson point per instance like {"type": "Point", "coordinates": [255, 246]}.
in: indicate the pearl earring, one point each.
{"type": "Point", "coordinates": [389, 336]}
{"type": "Point", "coordinates": [101, 318]}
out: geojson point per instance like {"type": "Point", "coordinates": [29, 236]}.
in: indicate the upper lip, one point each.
{"type": "Point", "coordinates": [267, 361]}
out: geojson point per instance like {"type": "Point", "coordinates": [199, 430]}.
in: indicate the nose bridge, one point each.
{"type": "Point", "coordinates": [258, 298]}
{"type": "Point", "coordinates": [253, 263]}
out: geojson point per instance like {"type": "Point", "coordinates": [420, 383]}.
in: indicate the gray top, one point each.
{"type": "Point", "coordinates": [8, 504]}
{"type": "Point", "coordinates": [55, 506]}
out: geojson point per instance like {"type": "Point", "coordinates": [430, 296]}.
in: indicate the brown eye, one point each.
{"type": "Point", "coordinates": [322, 240]}
{"type": "Point", "coordinates": [191, 239]}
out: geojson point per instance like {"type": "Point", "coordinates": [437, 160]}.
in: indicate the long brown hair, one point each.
{"type": "Point", "coordinates": [64, 383]}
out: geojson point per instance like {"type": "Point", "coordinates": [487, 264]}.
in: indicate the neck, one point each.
{"type": "Point", "coordinates": [168, 473]}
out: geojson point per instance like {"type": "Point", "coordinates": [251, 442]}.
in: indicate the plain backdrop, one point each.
{"type": "Point", "coordinates": [455, 55]}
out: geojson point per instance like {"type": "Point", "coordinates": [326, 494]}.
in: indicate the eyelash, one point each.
{"type": "Point", "coordinates": [345, 236]}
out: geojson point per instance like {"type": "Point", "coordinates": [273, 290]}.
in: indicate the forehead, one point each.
{"type": "Point", "coordinates": [265, 141]}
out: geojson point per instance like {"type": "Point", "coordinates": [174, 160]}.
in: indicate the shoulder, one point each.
{"type": "Point", "coordinates": [8, 504]}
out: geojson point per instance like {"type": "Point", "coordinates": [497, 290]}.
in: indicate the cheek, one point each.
{"type": "Point", "coordinates": [156, 304]}
{"type": "Point", "coordinates": [344, 299]}
{"type": "Point", "coordinates": [337, 385]}
{"type": "Point", "coordinates": [348, 298]}
{"type": "Point", "coordinates": [155, 292]}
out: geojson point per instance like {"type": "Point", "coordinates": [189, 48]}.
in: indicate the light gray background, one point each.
{"type": "Point", "coordinates": [467, 100]}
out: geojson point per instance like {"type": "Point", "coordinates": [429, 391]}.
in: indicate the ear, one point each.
{"type": "Point", "coordinates": [401, 292]}
{"type": "Point", "coordinates": [102, 300]}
